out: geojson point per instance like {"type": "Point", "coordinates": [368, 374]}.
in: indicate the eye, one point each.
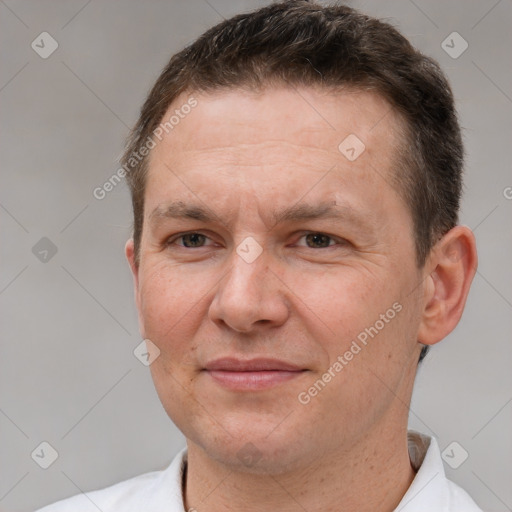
{"type": "Point", "coordinates": [189, 240]}
{"type": "Point", "coordinates": [319, 240]}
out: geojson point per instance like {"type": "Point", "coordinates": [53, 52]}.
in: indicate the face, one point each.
{"type": "Point", "coordinates": [277, 277]}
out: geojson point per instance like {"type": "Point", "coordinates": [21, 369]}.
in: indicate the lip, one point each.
{"type": "Point", "coordinates": [253, 374]}
{"type": "Point", "coordinates": [232, 364]}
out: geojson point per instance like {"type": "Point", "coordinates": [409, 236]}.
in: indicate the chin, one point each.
{"type": "Point", "coordinates": [258, 457]}
{"type": "Point", "coordinates": [255, 449]}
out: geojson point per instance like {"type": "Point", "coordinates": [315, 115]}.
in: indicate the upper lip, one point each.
{"type": "Point", "coordinates": [231, 364]}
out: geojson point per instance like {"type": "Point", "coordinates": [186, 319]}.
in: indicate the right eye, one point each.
{"type": "Point", "coordinates": [189, 240]}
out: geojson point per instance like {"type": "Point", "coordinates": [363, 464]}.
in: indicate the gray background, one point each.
{"type": "Point", "coordinates": [68, 375]}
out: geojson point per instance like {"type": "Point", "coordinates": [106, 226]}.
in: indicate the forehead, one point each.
{"type": "Point", "coordinates": [276, 138]}
{"type": "Point", "coordinates": [317, 117]}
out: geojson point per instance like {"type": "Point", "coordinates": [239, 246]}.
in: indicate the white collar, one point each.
{"type": "Point", "coordinates": [430, 490]}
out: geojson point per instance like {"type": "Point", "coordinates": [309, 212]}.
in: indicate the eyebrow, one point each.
{"type": "Point", "coordinates": [180, 210]}
{"type": "Point", "coordinates": [297, 212]}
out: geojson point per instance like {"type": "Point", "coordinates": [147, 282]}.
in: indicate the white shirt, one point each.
{"type": "Point", "coordinates": [160, 491]}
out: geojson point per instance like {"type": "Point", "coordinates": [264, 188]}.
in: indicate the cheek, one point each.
{"type": "Point", "coordinates": [341, 302]}
{"type": "Point", "coordinates": [171, 310]}
{"type": "Point", "coordinates": [366, 318]}
{"type": "Point", "coordinates": [170, 306]}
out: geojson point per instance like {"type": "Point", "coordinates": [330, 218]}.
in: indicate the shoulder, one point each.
{"type": "Point", "coordinates": [107, 498]}
{"type": "Point", "coordinates": [146, 492]}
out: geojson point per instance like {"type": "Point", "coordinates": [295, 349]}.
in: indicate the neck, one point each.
{"type": "Point", "coordinates": [373, 474]}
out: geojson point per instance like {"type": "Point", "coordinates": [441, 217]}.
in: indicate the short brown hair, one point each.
{"type": "Point", "coordinates": [303, 43]}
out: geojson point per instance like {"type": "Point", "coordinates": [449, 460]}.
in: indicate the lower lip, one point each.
{"type": "Point", "coordinates": [252, 381]}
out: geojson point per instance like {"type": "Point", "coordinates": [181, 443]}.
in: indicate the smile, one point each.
{"type": "Point", "coordinates": [253, 375]}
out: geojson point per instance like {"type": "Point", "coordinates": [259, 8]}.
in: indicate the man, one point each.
{"type": "Point", "coordinates": [295, 177]}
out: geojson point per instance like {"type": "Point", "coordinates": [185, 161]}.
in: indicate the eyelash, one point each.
{"type": "Point", "coordinates": [338, 241]}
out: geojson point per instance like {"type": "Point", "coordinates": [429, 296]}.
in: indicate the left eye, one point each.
{"type": "Point", "coordinates": [318, 240]}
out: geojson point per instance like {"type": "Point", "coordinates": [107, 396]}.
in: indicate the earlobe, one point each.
{"type": "Point", "coordinates": [129, 251]}
{"type": "Point", "coordinates": [453, 263]}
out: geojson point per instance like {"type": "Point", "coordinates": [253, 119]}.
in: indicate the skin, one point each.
{"type": "Point", "coordinates": [242, 156]}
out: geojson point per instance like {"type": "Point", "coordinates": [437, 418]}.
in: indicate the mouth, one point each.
{"type": "Point", "coordinates": [251, 375]}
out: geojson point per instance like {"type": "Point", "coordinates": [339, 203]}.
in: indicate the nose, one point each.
{"type": "Point", "coordinates": [251, 296]}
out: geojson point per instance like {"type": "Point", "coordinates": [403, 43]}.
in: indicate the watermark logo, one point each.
{"type": "Point", "coordinates": [454, 45]}
{"type": "Point", "coordinates": [146, 352]}
{"type": "Point", "coordinates": [44, 45]}
{"type": "Point", "coordinates": [44, 455]}
{"type": "Point", "coordinates": [352, 147]}
{"type": "Point", "coordinates": [249, 249]}
{"type": "Point", "coordinates": [454, 455]}
{"type": "Point", "coordinates": [249, 455]}
{"type": "Point", "coordinates": [44, 250]}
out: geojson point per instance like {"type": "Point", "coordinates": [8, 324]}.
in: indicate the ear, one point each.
{"type": "Point", "coordinates": [452, 265]}
{"type": "Point", "coordinates": [129, 250]}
